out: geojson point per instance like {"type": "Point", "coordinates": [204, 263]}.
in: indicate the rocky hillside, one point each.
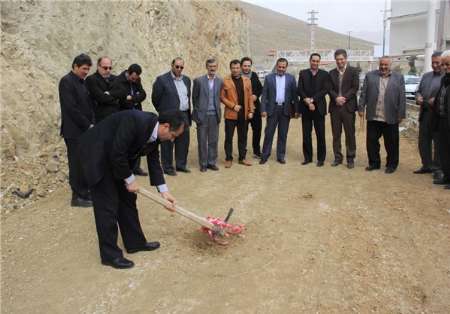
{"type": "Point", "coordinates": [39, 41]}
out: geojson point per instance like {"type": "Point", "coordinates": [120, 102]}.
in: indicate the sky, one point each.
{"type": "Point", "coordinates": [362, 18]}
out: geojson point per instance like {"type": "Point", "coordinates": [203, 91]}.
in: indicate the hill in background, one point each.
{"type": "Point", "coordinates": [272, 30]}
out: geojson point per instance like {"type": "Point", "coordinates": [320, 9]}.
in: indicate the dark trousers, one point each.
{"type": "Point", "coordinates": [340, 117]}
{"type": "Point", "coordinates": [309, 119]}
{"type": "Point", "coordinates": [181, 145]}
{"type": "Point", "coordinates": [208, 140]}
{"type": "Point", "coordinates": [76, 180]}
{"type": "Point", "coordinates": [242, 126]}
{"type": "Point", "coordinates": [375, 129]}
{"type": "Point", "coordinates": [115, 206]}
{"type": "Point", "coordinates": [280, 120]}
{"type": "Point", "coordinates": [256, 124]}
{"type": "Point", "coordinates": [428, 139]}
{"type": "Point", "coordinates": [444, 146]}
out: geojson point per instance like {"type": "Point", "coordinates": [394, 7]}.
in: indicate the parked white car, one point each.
{"type": "Point", "coordinates": [411, 85]}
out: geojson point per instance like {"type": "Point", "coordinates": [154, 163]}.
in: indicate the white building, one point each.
{"type": "Point", "coordinates": [417, 25]}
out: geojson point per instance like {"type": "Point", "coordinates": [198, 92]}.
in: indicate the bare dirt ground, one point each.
{"type": "Point", "coordinates": [318, 240]}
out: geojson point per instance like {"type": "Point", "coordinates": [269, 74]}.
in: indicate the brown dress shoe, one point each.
{"type": "Point", "coordinates": [228, 163]}
{"type": "Point", "coordinates": [245, 162]}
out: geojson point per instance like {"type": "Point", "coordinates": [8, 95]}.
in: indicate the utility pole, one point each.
{"type": "Point", "coordinates": [441, 23]}
{"type": "Point", "coordinates": [312, 28]}
{"type": "Point", "coordinates": [430, 44]}
{"type": "Point", "coordinates": [385, 18]}
{"type": "Point", "coordinates": [349, 40]}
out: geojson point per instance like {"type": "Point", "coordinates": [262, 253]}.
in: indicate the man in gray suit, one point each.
{"type": "Point", "coordinates": [278, 103]}
{"type": "Point", "coordinates": [206, 114]}
{"type": "Point", "coordinates": [383, 93]}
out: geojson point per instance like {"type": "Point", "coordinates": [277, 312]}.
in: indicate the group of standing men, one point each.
{"type": "Point", "coordinates": [106, 132]}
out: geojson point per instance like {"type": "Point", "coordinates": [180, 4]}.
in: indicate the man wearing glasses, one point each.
{"type": "Point", "coordinates": [172, 91]}
{"type": "Point", "coordinates": [99, 86]}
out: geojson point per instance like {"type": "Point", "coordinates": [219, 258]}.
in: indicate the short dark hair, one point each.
{"type": "Point", "coordinates": [210, 60]}
{"type": "Point", "coordinates": [82, 59]}
{"type": "Point", "coordinates": [314, 54]}
{"type": "Point", "coordinates": [175, 59]}
{"type": "Point", "coordinates": [340, 52]}
{"type": "Point", "coordinates": [247, 59]}
{"type": "Point", "coordinates": [235, 61]}
{"type": "Point", "coordinates": [436, 54]}
{"type": "Point", "coordinates": [175, 118]}
{"type": "Point", "coordinates": [282, 60]}
{"type": "Point", "coordinates": [134, 68]}
{"type": "Point", "coordinates": [99, 60]}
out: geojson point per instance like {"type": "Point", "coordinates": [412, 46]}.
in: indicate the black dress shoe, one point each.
{"type": "Point", "coordinates": [320, 164]}
{"type": "Point", "coordinates": [350, 164]}
{"type": "Point", "coordinates": [442, 181]}
{"type": "Point", "coordinates": [213, 167]}
{"type": "Point", "coordinates": [372, 167]}
{"type": "Point", "coordinates": [80, 202]}
{"type": "Point", "coordinates": [389, 170]}
{"type": "Point", "coordinates": [262, 161]}
{"type": "Point", "coordinates": [306, 162]}
{"type": "Point", "coordinates": [119, 263]}
{"type": "Point", "coordinates": [149, 246]}
{"type": "Point", "coordinates": [336, 163]}
{"type": "Point", "coordinates": [203, 169]}
{"type": "Point", "coordinates": [185, 170]}
{"type": "Point", "coordinates": [281, 161]}
{"type": "Point", "coordinates": [170, 172]}
{"type": "Point", "coordinates": [423, 170]}
{"type": "Point", "coordinates": [140, 172]}
{"type": "Point", "coordinates": [257, 155]}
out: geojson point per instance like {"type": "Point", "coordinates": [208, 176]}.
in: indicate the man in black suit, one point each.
{"type": "Point", "coordinates": [127, 88]}
{"type": "Point", "coordinates": [343, 105]}
{"type": "Point", "coordinates": [76, 117]}
{"type": "Point", "coordinates": [109, 151]}
{"type": "Point", "coordinates": [442, 112]}
{"type": "Point", "coordinates": [313, 85]}
{"type": "Point", "coordinates": [99, 86]}
{"type": "Point", "coordinates": [256, 121]}
{"type": "Point", "coordinates": [172, 91]}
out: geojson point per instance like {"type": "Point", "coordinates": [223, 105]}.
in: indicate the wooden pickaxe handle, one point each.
{"type": "Point", "coordinates": [178, 209]}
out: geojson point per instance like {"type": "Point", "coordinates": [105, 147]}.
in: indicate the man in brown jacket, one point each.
{"type": "Point", "coordinates": [236, 95]}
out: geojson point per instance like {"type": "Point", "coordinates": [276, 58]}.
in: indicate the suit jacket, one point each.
{"type": "Point", "coordinates": [269, 94]}
{"type": "Point", "coordinates": [116, 143]}
{"type": "Point", "coordinates": [317, 92]}
{"type": "Point", "coordinates": [350, 86]}
{"type": "Point", "coordinates": [121, 88]}
{"type": "Point", "coordinates": [76, 106]}
{"type": "Point", "coordinates": [437, 114]}
{"type": "Point", "coordinates": [99, 89]}
{"type": "Point", "coordinates": [229, 97]}
{"type": "Point", "coordinates": [427, 90]}
{"type": "Point", "coordinates": [394, 97]}
{"type": "Point", "coordinates": [165, 96]}
{"type": "Point", "coordinates": [200, 98]}
{"type": "Point", "coordinates": [256, 90]}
